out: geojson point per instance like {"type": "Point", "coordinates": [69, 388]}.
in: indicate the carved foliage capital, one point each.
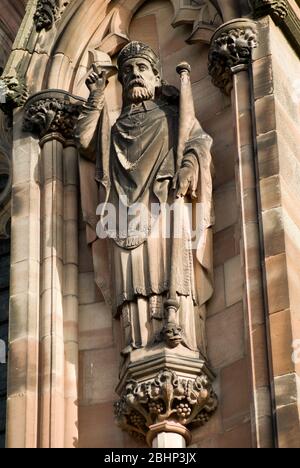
{"type": "Point", "coordinates": [167, 397]}
{"type": "Point", "coordinates": [52, 112]}
{"type": "Point", "coordinates": [230, 47]}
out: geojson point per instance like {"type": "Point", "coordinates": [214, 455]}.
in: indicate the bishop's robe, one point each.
{"type": "Point", "coordinates": [136, 161]}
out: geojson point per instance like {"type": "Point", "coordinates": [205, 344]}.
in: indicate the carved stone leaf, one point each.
{"type": "Point", "coordinates": [51, 115]}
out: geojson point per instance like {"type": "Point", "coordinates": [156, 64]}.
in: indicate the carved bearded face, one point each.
{"type": "Point", "coordinates": [139, 80]}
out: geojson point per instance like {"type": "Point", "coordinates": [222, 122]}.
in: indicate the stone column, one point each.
{"type": "Point", "coordinates": [70, 292]}
{"type": "Point", "coordinates": [22, 385]}
{"type": "Point", "coordinates": [230, 65]}
{"type": "Point", "coordinates": [169, 434]}
{"type": "Point", "coordinates": [51, 116]}
{"type": "Point", "coordinates": [51, 308]}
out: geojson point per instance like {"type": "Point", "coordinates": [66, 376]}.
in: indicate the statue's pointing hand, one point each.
{"type": "Point", "coordinates": [97, 81]}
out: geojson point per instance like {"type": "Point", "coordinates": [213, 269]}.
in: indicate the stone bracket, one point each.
{"type": "Point", "coordinates": [13, 94]}
{"type": "Point", "coordinates": [231, 46]}
{"type": "Point", "coordinates": [48, 12]}
{"type": "Point", "coordinates": [151, 398]}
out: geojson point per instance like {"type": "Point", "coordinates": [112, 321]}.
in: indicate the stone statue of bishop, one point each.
{"type": "Point", "coordinates": [154, 275]}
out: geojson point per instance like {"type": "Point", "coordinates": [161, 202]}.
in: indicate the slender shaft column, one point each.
{"type": "Point", "coordinates": [230, 67]}
{"type": "Point", "coordinates": [58, 389]}
{"type": "Point", "coordinates": [22, 403]}
{"type": "Point", "coordinates": [168, 440]}
{"type": "Point", "coordinates": [51, 312]}
{"type": "Point", "coordinates": [70, 293]}
{"type": "Point", "coordinates": [254, 277]}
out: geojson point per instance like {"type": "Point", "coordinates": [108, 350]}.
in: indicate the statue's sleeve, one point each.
{"type": "Point", "coordinates": [197, 147]}
{"type": "Point", "coordinates": [87, 128]}
{"type": "Point", "coordinates": [93, 141]}
{"type": "Point", "coordinates": [87, 133]}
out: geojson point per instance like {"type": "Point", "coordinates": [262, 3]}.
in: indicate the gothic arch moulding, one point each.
{"type": "Point", "coordinates": [104, 26]}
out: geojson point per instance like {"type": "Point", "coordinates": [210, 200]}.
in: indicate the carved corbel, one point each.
{"type": "Point", "coordinates": [52, 112]}
{"type": "Point", "coordinates": [231, 46]}
{"type": "Point", "coordinates": [13, 94]}
{"type": "Point", "coordinates": [167, 397]}
{"type": "Point", "coordinates": [47, 12]}
{"type": "Point", "coordinates": [278, 9]}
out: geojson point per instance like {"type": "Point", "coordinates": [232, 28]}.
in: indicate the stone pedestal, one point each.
{"type": "Point", "coordinates": [167, 393]}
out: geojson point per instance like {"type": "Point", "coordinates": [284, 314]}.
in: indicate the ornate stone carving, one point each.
{"type": "Point", "coordinates": [277, 8]}
{"type": "Point", "coordinates": [13, 93]}
{"type": "Point", "coordinates": [45, 15]}
{"type": "Point", "coordinates": [231, 45]}
{"type": "Point", "coordinates": [47, 12]}
{"type": "Point", "coordinates": [52, 112]}
{"type": "Point", "coordinates": [186, 401]}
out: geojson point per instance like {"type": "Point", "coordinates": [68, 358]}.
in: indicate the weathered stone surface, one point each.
{"type": "Point", "coordinates": [223, 328]}
{"type": "Point", "coordinates": [273, 226]}
{"type": "Point", "coordinates": [263, 77]}
{"type": "Point", "coordinates": [235, 405]}
{"type": "Point", "coordinates": [286, 389]}
{"type": "Point", "coordinates": [281, 343]}
{"type": "Point", "coordinates": [234, 281]}
{"type": "Point", "coordinates": [98, 429]}
{"type": "Point", "coordinates": [277, 283]}
{"type": "Point", "coordinates": [288, 426]}
{"type": "Point", "coordinates": [217, 302]}
{"type": "Point", "coordinates": [225, 206]}
{"type": "Point", "coordinates": [226, 244]}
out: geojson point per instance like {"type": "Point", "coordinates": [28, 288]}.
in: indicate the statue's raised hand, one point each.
{"type": "Point", "coordinates": [97, 80]}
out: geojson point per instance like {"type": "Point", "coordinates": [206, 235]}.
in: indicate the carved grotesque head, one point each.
{"type": "Point", "coordinates": [172, 334]}
{"type": "Point", "coordinates": [138, 72]}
